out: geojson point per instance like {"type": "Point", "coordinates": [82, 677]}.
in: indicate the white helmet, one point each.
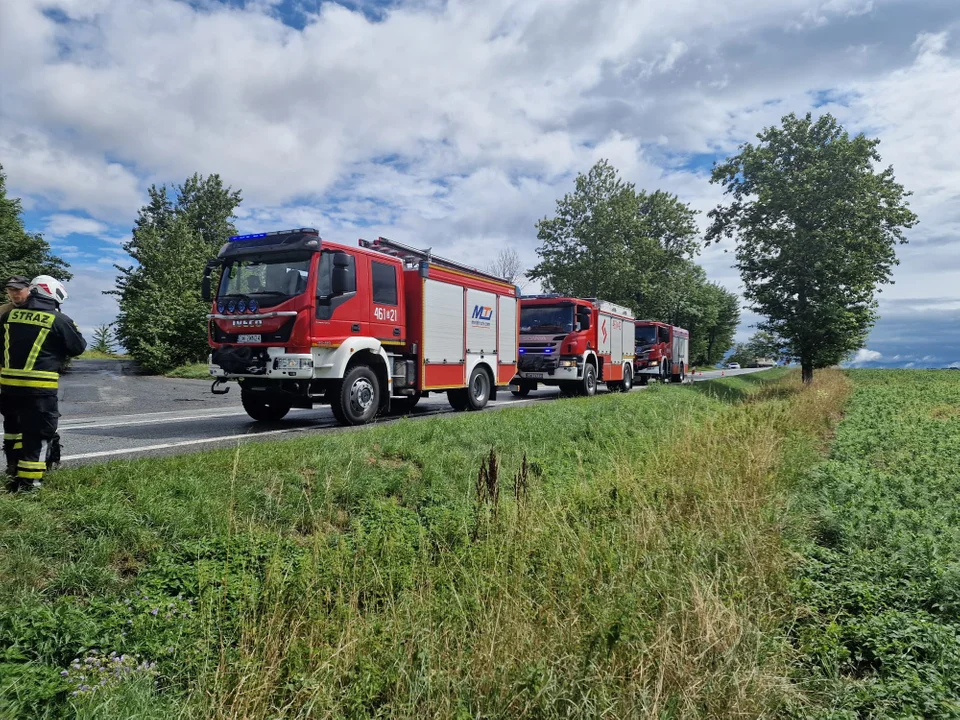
{"type": "Point", "coordinates": [48, 287]}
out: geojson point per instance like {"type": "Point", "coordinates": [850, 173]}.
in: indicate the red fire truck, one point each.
{"type": "Point", "coordinates": [575, 344]}
{"type": "Point", "coordinates": [298, 321]}
{"type": "Point", "coordinates": [662, 352]}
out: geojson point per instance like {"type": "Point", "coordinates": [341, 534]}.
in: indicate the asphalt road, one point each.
{"type": "Point", "coordinates": [110, 412]}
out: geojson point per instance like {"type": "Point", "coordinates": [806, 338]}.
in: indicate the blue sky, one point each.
{"type": "Point", "coordinates": [456, 125]}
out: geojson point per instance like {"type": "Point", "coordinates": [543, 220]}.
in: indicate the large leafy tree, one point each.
{"type": "Point", "coordinates": [816, 226]}
{"type": "Point", "coordinates": [609, 240]}
{"type": "Point", "coordinates": [162, 320]}
{"type": "Point", "coordinates": [22, 252]}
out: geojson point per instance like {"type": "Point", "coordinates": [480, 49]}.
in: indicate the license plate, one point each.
{"type": "Point", "coordinates": [533, 375]}
{"type": "Point", "coordinates": [248, 338]}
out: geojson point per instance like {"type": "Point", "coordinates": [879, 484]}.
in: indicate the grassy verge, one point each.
{"type": "Point", "coordinates": [192, 371]}
{"type": "Point", "coordinates": [95, 355]}
{"type": "Point", "coordinates": [624, 559]}
{"type": "Point", "coordinates": [879, 589]}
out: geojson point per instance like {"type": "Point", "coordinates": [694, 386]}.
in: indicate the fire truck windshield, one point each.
{"type": "Point", "coordinates": [546, 318]}
{"type": "Point", "coordinates": [645, 335]}
{"type": "Point", "coordinates": [270, 283]}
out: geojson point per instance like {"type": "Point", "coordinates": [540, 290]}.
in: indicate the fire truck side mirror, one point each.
{"type": "Point", "coordinates": [205, 282]}
{"type": "Point", "coordinates": [341, 273]}
{"type": "Point", "coordinates": [583, 317]}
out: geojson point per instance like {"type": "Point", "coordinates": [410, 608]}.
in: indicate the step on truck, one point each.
{"type": "Point", "coordinates": [662, 352]}
{"type": "Point", "coordinates": [298, 321]}
{"type": "Point", "coordinates": [574, 344]}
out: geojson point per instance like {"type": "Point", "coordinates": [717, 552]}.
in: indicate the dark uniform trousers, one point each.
{"type": "Point", "coordinates": [30, 440]}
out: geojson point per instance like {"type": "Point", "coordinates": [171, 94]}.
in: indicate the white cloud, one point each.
{"type": "Point", "coordinates": [456, 125]}
{"type": "Point", "coordinates": [864, 356]}
{"type": "Point", "coordinates": [61, 225]}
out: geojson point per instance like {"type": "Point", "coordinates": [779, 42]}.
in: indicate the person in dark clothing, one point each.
{"type": "Point", "coordinates": [37, 340]}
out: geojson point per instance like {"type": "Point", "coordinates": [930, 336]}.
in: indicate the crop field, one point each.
{"type": "Point", "coordinates": [878, 591]}
{"type": "Point", "coordinates": [620, 556]}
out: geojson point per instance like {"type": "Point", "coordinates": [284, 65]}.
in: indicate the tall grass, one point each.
{"type": "Point", "coordinates": [634, 569]}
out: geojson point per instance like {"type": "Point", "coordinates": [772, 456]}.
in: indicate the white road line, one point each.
{"type": "Point", "coordinates": [153, 421]}
{"type": "Point", "coordinates": [182, 443]}
{"type": "Point", "coordinates": [81, 421]}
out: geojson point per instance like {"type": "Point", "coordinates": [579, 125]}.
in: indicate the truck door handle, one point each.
{"type": "Point", "coordinates": [396, 332]}
{"type": "Point", "coordinates": [355, 327]}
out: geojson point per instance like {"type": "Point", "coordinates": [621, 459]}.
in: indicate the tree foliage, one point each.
{"type": "Point", "coordinates": [103, 339]}
{"type": "Point", "coordinates": [162, 320]}
{"type": "Point", "coordinates": [816, 227]}
{"type": "Point", "coordinates": [21, 252]}
{"type": "Point", "coordinates": [762, 345]}
{"type": "Point", "coordinates": [634, 248]}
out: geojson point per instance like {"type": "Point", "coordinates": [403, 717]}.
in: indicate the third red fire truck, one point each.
{"type": "Point", "coordinates": [573, 343]}
{"type": "Point", "coordinates": [662, 352]}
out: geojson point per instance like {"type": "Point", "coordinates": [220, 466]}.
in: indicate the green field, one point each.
{"type": "Point", "coordinates": [878, 593]}
{"type": "Point", "coordinates": [193, 371]}
{"type": "Point", "coordinates": [718, 550]}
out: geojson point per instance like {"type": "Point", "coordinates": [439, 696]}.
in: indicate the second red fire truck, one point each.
{"type": "Point", "coordinates": [574, 344]}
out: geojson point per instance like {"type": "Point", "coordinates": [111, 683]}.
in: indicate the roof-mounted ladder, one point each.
{"type": "Point", "coordinates": [412, 257]}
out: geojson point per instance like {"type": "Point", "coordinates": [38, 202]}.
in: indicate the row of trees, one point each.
{"type": "Point", "coordinates": [814, 222]}
{"type": "Point", "coordinates": [633, 248]}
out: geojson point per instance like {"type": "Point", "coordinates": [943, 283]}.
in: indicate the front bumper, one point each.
{"type": "Point", "coordinates": [262, 363]}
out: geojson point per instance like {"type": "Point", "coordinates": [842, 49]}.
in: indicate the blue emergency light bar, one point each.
{"type": "Point", "coordinates": [252, 236]}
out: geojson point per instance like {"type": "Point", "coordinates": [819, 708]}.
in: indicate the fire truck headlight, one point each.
{"type": "Point", "coordinates": [292, 363]}
{"type": "Point", "coordinates": [221, 307]}
{"type": "Point", "coordinates": [568, 363]}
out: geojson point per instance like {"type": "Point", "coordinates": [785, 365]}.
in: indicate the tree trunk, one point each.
{"type": "Point", "coordinates": [806, 371]}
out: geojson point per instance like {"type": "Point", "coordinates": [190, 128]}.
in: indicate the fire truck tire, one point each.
{"type": "Point", "coordinates": [627, 384]}
{"type": "Point", "coordinates": [523, 391]}
{"type": "Point", "coordinates": [678, 378]}
{"type": "Point", "coordinates": [643, 380]}
{"type": "Point", "coordinates": [356, 399]}
{"type": "Point", "coordinates": [457, 399]}
{"type": "Point", "coordinates": [664, 373]}
{"type": "Point", "coordinates": [588, 386]}
{"type": "Point", "coordinates": [478, 391]}
{"type": "Point", "coordinates": [263, 406]}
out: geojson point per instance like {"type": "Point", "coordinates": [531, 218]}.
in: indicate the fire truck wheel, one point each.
{"type": "Point", "coordinates": [358, 398]}
{"type": "Point", "coordinates": [678, 378]}
{"type": "Point", "coordinates": [263, 406]}
{"type": "Point", "coordinates": [664, 372]}
{"type": "Point", "coordinates": [643, 380]}
{"type": "Point", "coordinates": [457, 399]}
{"type": "Point", "coordinates": [523, 391]}
{"type": "Point", "coordinates": [627, 384]}
{"type": "Point", "coordinates": [588, 385]}
{"type": "Point", "coordinates": [478, 391]}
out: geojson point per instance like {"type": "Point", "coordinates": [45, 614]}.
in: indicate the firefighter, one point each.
{"type": "Point", "coordinates": [18, 290]}
{"type": "Point", "coordinates": [37, 340]}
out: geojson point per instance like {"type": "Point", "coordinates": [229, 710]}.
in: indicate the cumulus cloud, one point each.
{"type": "Point", "coordinates": [863, 355]}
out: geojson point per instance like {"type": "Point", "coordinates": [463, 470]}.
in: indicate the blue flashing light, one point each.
{"type": "Point", "coordinates": [232, 306]}
{"type": "Point", "coordinates": [547, 351]}
{"type": "Point", "coordinates": [221, 307]}
{"type": "Point", "coordinates": [522, 350]}
{"type": "Point", "coordinates": [252, 305]}
{"type": "Point", "coordinates": [234, 238]}
{"type": "Point", "coordinates": [242, 306]}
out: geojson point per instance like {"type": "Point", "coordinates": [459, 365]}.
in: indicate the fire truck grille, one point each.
{"type": "Point", "coordinates": [280, 335]}
{"type": "Point", "coordinates": [537, 363]}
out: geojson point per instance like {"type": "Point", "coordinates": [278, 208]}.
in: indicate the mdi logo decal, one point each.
{"type": "Point", "coordinates": [482, 315]}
